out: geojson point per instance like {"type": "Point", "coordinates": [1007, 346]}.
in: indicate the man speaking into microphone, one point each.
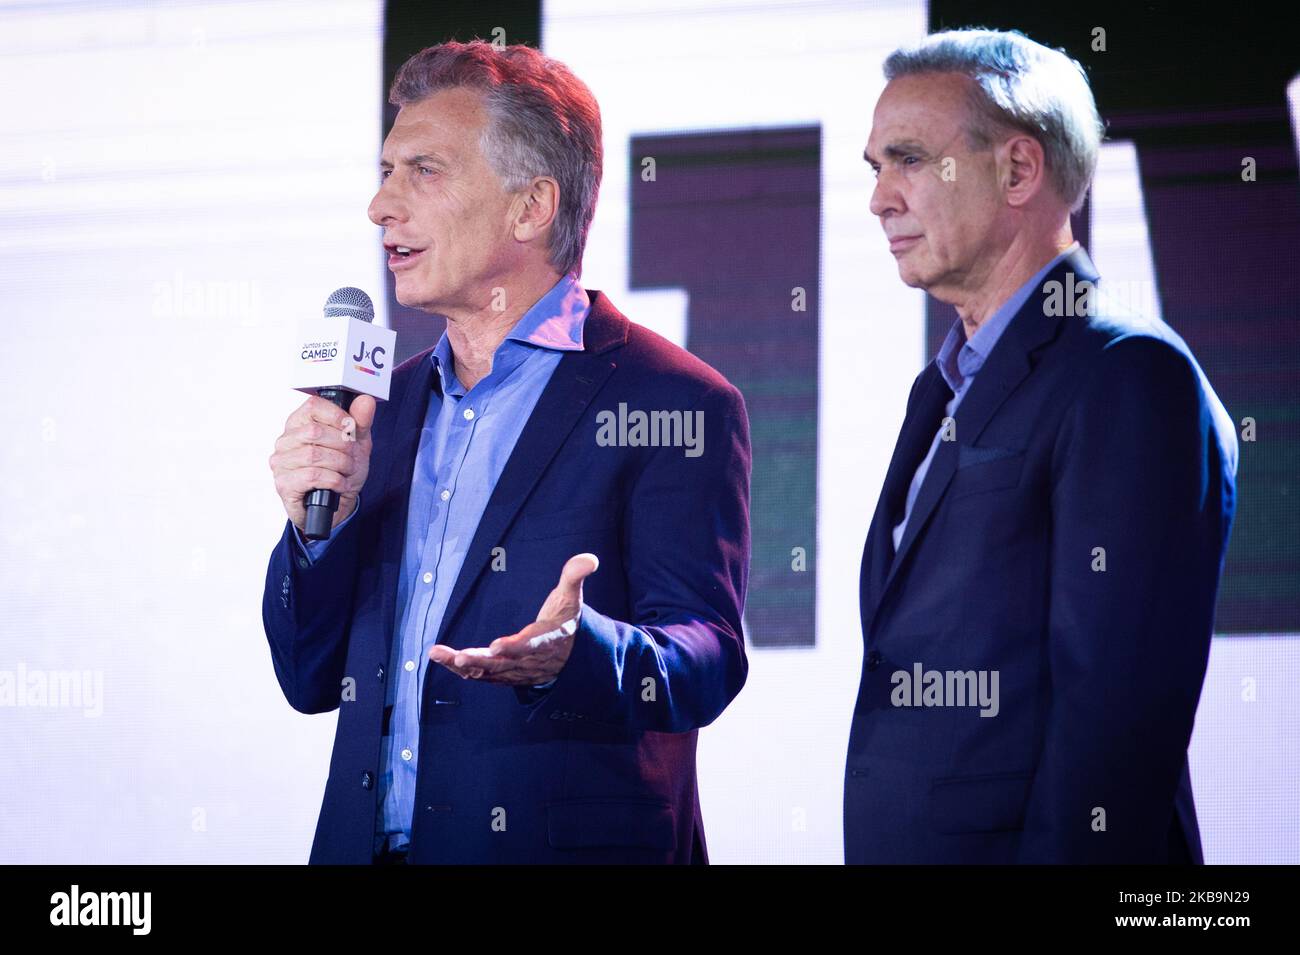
{"type": "Point", "coordinates": [521, 622]}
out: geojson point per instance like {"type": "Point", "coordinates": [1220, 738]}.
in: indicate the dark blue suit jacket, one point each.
{"type": "Point", "coordinates": [1078, 433]}
{"type": "Point", "coordinates": [600, 767]}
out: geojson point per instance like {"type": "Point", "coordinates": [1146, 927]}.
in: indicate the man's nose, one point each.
{"type": "Point", "coordinates": [386, 207]}
{"type": "Point", "coordinates": [885, 197]}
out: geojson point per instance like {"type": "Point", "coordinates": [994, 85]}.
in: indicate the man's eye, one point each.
{"type": "Point", "coordinates": [385, 173]}
{"type": "Point", "coordinates": [911, 160]}
{"type": "Point", "coordinates": [425, 171]}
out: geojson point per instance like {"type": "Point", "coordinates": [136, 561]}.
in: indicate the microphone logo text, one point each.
{"type": "Point", "coordinates": [320, 351]}
{"type": "Point", "coordinates": [374, 354]}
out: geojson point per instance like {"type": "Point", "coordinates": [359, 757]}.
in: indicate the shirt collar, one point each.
{"type": "Point", "coordinates": [557, 319]}
{"type": "Point", "coordinates": [554, 322]}
{"type": "Point", "coordinates": [959, 359]}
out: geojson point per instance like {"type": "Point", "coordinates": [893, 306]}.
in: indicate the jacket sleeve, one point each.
{"type": "Point", "coordinates": [1140, 513]}
{"type": "Point", "coordinates": [681, 658]}
{"type": "Point", "coordinates": [313, 550]}
{"type": "Point", "coordinates": [307, 613]}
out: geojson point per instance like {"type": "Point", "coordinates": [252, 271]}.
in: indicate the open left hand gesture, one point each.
{"type": "Point", "coordinates": [537, 653]}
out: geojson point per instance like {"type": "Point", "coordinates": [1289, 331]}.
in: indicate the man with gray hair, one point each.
{"type": "Point", "coordinates": [488, 713]}
{"type": "Point", "coordinates": [1053, 522]}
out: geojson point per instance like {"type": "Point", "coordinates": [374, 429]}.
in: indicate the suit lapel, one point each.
{"type": "Point", "coordinates": [914, 439]}
{"type": "Point", "coordinates": [576, 380]}
{"type": "Point", "coordinates": [395, 482]}
{"type": "Point", "coordinates": [1006, 367]}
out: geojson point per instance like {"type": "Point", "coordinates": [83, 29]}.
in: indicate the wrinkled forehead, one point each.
{"type": "Point", "coordinates": [927, 108]}
{"type": "Point", "coordinates": [449, 121]}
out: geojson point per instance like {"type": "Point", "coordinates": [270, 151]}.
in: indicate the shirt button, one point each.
{"type": "Point", "coordinates": [428, 578]}
{"type": "Point", "coordinates": [302, 561]}
{"type": "Point", "coordinates": [367, 781]}
{"type": "Point", "coordinates": [469, 414]}
{"type": "Point", "coordinates": [410, 665]}
{"type": "Point", "coordinates": [380, 673]}
{"type": "Point", "coordinates": [445, 495]}
{"type": "Point", "coordinates": [406, 755]}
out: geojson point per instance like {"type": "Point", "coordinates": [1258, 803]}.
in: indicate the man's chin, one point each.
{"type": "Point", "coordinates": [411, 295]}
{"type": "Point", "coordinates": [911, 278]}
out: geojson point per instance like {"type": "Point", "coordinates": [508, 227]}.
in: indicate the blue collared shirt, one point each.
{"type": "Point", "coordinates": [467, 438]}
{"type": "Point", "coordinates": [958, 362]}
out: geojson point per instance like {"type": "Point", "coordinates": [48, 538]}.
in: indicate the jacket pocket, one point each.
{"type": "Point", "coordinates": [591, 823]}
{"type": "Point", "coordinates": [993, 474]}
{"type": "Point", "coordinates": [993, 802]}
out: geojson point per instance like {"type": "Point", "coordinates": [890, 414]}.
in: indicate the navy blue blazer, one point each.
{"type": "Point", "coordinates": [1071, 539]}
{"type": "Point", "coordinates": [601, 767]}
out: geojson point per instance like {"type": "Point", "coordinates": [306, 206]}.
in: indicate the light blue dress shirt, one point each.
{"type": "Point", "coordinates": [466, 440]}
{"type": "Point", "coordinates": [959, 360]}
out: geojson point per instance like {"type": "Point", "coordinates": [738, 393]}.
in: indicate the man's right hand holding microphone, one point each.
{"type": "Point", "coordinates": [323, 446]}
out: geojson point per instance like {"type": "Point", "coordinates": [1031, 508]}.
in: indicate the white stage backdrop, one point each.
{"type": "Point", "coordinates": [189, 182]}
{"type": "Point", "coordinates": [178, 186]}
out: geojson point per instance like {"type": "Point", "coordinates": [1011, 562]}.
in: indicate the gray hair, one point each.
{"type": "Point", "coordinates": [542, 121]}
{"type": "Point", "coordinates": [1019, 85]}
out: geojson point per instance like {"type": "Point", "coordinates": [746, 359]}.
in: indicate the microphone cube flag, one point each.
{"type": "Point", "coordinates": [343, 352]}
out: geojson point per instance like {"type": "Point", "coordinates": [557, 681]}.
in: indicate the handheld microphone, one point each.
{"type": "Point", "coordinates": [341, 356]}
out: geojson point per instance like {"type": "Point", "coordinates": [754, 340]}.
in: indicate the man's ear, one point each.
{"type": "Point", "coordinates": [1021, 169]}
{"type": "Point", "coordinates": [536, 209]}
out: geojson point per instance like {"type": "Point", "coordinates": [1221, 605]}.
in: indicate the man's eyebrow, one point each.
{"type": "Point", "coordinates": [907, 147]}
{"type": "Point", "coordinates": [423, 159]}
